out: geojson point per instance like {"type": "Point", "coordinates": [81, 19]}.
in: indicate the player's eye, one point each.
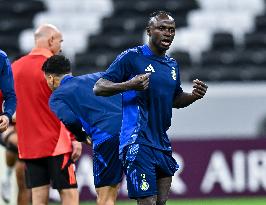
{"type": "Point", "coordinates": [172, 30]}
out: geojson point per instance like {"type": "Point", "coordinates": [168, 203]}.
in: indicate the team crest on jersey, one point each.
{"type": "Point", "coordinates": [144, 185]}
{"type": "Point", "coordinates": [150, 69]}
{"type": "Point", "coordinates": [173, 73]}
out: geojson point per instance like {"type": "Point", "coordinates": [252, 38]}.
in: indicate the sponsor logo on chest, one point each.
{"type": "Point", "coordinates": [150, 69]}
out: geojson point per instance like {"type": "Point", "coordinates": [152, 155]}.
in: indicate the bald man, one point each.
{"type": "Point", "coordinates": [45, 146]}
{"type": "Point", "coordinates": [150, 84]}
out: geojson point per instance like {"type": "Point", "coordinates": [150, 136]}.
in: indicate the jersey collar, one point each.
{"type": "Point", "coordinates": [146, 50]}
{"type": "Point", "coordinates": [41, 51]}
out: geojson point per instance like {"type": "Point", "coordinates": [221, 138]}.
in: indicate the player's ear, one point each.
{"type": "Point", "coordinates": [49, 78]}
{"type": "Point", "coordinates": [148, 30]}
{"type": "Point", "coordinates": [50, 81]}
{"type": "Point", "coordinates": [50, 41]}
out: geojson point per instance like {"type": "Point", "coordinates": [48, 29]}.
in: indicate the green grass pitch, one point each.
{"type": "Point", "coordinates": [226, 201]}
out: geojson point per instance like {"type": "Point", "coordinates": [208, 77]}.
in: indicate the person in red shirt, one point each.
{"type": "Point", "coordinates": [43, 143]}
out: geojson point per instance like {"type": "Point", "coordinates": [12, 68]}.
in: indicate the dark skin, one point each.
{"type": "Point", "coordinates": [161, 32]}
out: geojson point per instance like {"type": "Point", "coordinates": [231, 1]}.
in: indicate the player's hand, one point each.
{"type": "Point", "coordinates": [199, 89]}
{"type": "Point", "coordinates": [76, 150]}
{"type": "Point", "coordinates": [140, 82]}
{"type": "Point", "coordinates": [4, 122]}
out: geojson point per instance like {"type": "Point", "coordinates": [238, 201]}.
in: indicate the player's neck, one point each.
{"type": "Point", "coordinates": [156, 51]}
{"type": "Point", "coordinates": [61, 78]}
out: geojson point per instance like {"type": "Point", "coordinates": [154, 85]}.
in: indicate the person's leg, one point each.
{"type": "Point", "coordinates": [107, 171]}
{"type": "Point", "coordinates": [9, 138]}
{"type": "Point", "coordinates": [38, 180]}
{"type": "Point", "coordinates": [139, 164]}
{"type": "Point", "coordinates": [163, 186]}
{"type": "Point", "coordinates": [23, 197]}
{"type": "Point", "coordinates": [40, 195]}
{"type": "Point", "coordinates": [150, 200]}
{"type": "Point", "coordinates": [107, 195]}
{"type": "Point", "coordinates": [166, 167]}
{"type": "Point", "coordinates": [69, 196]}
{"type": "Point", "coordinates": [11, 158]}
{"type": "Point", "coordinates": [63, 178]}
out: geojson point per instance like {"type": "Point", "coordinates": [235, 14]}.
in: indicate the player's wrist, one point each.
{"type": "Point", "coordinates": [126, 86]}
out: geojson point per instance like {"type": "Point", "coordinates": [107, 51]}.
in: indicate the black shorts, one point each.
{"type": "Point", "coordinates": [59, 171]}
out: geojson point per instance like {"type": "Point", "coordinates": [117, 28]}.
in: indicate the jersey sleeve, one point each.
{"type": "Point", "coordinates": [120, 70]}
{"type": "Point", "coordinates": [68, 117]}
{"type": "Point", "coordinates": [7, 87]}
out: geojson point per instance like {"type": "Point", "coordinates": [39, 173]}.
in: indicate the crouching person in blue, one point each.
{"type": "Point", "coordinates": [85, 114]}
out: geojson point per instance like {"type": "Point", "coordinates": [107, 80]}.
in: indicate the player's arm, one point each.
{"type": "Point", "coordinates": [69, 119]}
{"type": "Point", "coordinates": [7, 88]}
{"type": "Point", "coordinates": [184, 99]}
{"type": "Point", "coordinates": [121, 76]}
{"type": "Point", "coordinates": [105, 87]}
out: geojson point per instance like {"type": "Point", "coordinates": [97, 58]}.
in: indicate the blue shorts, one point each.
{"type": "Point", "coordinates": [107, 167]}
{"type": "Point", "coordinates": [143, 165]}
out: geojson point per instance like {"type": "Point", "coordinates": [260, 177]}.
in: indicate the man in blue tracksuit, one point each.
{"type": "Point", "coordinates": [7, 89]}
{"type": "Point", "coordinates": [85, 114]}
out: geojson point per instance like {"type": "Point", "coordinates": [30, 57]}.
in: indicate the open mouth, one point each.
{"type": "Point", "coordinates": [166, 42]}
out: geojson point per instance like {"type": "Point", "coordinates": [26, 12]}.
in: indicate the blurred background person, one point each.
{"type": "Point", "coordinates": [7, 90]}
{"type": "Point", "coordinates": [7, 109]}
{"type": "Point", "coordinates": [9, 140]}
{"type": "Point", "coordinates": [44, 145]}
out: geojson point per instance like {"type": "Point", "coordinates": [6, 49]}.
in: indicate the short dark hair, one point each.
{"type": "Point", "coordinates": [156, 14]}
{"type": "Point", "coordinates": [57, 64]}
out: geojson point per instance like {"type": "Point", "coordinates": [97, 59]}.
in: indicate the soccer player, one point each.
{"type": "Point", "coordinates": [75, 104]}
{"type": "Point", "coordinates": [43, 144]}
{"type": "Point", "coordinates": [7, 88]}
{"type": "Point", "coordinates": [150, 83]}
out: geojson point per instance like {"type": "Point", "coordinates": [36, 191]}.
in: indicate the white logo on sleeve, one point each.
{"type": "Point", "coordinates": [150, 69]}
{"type": "Point", "coordinates": [173, 73]}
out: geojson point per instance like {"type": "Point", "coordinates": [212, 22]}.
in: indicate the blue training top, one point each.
{"type": "Point", "coordinates": [77, 107]}
{"type": "Point", "coordinates": [146, 114]}
{"type": "Point", "coordinates": [7, 86]}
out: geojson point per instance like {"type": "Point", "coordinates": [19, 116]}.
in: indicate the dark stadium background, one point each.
{"type": "Point", "coordinates": [221, 42]}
